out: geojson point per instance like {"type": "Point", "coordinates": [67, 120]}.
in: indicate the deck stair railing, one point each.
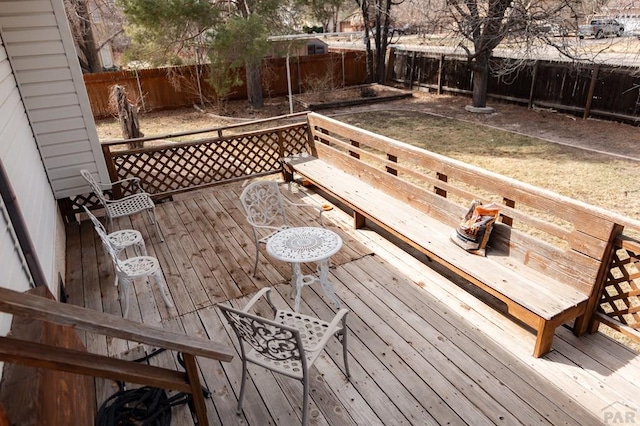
{"type": "Point", "coordinates": [40, 355]}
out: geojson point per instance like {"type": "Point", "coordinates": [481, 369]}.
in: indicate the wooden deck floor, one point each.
{"type": "Point", "coordinates": [423, 350]}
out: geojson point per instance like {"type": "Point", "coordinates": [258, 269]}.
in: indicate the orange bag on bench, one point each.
{"type": "Point", "coordinates": [474, 231]}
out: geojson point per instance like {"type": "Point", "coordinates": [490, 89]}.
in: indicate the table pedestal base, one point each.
{"type": "Point", "coordinates": [299, 280]}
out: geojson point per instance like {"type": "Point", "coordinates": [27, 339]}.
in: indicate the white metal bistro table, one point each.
{"type": "Point", "coordinates": [306, 244]}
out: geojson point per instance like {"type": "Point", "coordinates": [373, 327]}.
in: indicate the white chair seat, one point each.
{"type": "Point", "coordinates": [128, 205]}
{"type": "Point", "coordinates": [140, 266]}
{"type": "Point", "coordinates": [127, 238]}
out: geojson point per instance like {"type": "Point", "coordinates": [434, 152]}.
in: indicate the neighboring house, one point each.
{"type": "Point", "coordinates": [47, 134]}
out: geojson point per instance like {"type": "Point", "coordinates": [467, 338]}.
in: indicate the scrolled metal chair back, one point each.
{"type": "Point", "coordinates": [95, 186]}
{"type": "Point", "coordinates": [262, 203]}
{"type": "Point", "coordinates": [271, 340]}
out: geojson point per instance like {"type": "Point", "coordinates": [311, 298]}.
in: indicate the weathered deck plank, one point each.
{"type": "Point", "coordinates": [422, 350]}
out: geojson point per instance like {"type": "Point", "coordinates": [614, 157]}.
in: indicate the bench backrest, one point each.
{"type": "Point", "coordinates": [561, 237]}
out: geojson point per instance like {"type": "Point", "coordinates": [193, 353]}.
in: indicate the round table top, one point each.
{"type": "Point", "coordinates": [304, 244]}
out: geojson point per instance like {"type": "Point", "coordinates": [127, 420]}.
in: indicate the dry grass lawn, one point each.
{"type": "Point", "coordinates": [597, 179]}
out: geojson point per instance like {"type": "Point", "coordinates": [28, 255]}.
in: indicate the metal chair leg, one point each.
{"type": "Point", "coordinates": [305, 399]}
{"type": "Point", "coordinates": [124, 289]}
{"type": "Point", "coordinates": [344, 347]}
{"type": "Point", "coordinates": [162, 287]}
{"type": "Point", "coordinates": [242, 385]}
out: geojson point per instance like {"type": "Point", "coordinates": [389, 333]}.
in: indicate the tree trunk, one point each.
{"type": "Point", "coordinates": [127, 116]}
{"type": "Point", "coordinates": [254, 85]}
{"type": "Point", "coordinates": [480, 79]}
{"type": "Point", "coordinates": [86, 40]}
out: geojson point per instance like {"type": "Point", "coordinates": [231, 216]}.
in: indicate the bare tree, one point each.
{"type": "Point", "coordinates": [528, 25]}
{"type": "Point", "coordinates": [326, 12]}
{"type": "Point", "coordinates": [376, 17]}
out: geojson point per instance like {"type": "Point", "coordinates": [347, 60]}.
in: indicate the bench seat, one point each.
{"type": "Point", "coordinates": [548, 255]}
{"type": "Point", "coordinates": [535, 292]}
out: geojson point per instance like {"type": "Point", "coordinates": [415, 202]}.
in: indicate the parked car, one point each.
{"type": "Point", "coordinates": [600, 28]}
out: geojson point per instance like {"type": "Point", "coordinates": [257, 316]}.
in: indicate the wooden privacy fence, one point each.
{"type": "Point", "coordinates": [583, 89]}
{"type": "Point", "coordinates": [174, 87]}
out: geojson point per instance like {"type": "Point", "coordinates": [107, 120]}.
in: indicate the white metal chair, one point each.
{"type": "Point", "coordinates": [288, 344]}
{"type": "Point", "coordinates": [121, 239]}
{"type": "Point", "coordinates": [129, 269]}
{"type": "Point", "coordinates": [125, 206]}
{"type": "Point", "coordinates": [264, 206]}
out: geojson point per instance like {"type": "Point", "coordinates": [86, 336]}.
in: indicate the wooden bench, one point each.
{"type": "Point", "coordinates": [547, 256]}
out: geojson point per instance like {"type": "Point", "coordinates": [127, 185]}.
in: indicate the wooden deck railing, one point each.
{"type": "Point", "coordinates": [234, 152]}
{"type": "Point", "coordinates": [39, 355]}
{"type": "Point", "coordinates": [170, 164]}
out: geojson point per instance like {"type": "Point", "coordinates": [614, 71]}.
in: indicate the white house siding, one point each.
{"type": "Point", "coordinates": [28, 179]}
{"type": "Point", "coordinates": [14, 272]}
{"type": "Point", "coordinates": [39, 44]}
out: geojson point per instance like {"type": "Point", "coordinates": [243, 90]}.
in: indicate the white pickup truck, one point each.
{"type": "Point", "coordinates": [600, 28]}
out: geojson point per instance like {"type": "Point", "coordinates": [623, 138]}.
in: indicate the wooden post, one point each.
{"type": "Point", "coordinates": [196, 389]}
{"type": "Point", "coordinates": [533, 84]}
{"type": "Point", "coordinates": [587, 322]}
{"type": "Point", "coordinates": [592, 89]}
{"type": "Point", "coordinates": [440, 68]}
{"type": "Point", "coordinates": [116, 190]}
{"type": "Point", "coordinates": [413, 61]}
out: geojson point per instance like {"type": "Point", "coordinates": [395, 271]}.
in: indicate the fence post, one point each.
{"type": "Point", "coordinates": [144, 108]}
{"type": "Point", "coordinates": [533, 84]}
{"type": "Point", "coordinates": [592, 88]}
{"type": "Point", "coordinates": [440, 68]}
{"type": "Point", "coordinates": [413, 61]}
{"type": "Point", "coordinates": [344, 74]}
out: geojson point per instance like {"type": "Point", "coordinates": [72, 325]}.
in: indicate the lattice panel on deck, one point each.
{"type": "Point", "coordinates": [296, 140]}
{"type": "Point", "coordinates": [621, 295]}
{"type": "Point", "coordinates": [172, 168]}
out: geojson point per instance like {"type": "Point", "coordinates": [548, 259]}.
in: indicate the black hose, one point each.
{"type": "Point", "coordinates": [146, 406]}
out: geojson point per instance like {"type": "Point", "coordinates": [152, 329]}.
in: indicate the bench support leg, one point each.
{"type": "Point", "coordinates": [287, 173]}
{"type": "Point", "coordinates": [358, 220]}
{"type": "Point", "coordinates": [544, 339]}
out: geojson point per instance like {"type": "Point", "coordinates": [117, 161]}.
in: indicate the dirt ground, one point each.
{"type": "Point", "coordinates": [599, 135]}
